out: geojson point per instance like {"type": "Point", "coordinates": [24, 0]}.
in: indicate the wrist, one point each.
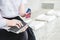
{"type": "Point", "coordinates": [8, 22]}
{"type": "Point", "coordinates": [23, 15]}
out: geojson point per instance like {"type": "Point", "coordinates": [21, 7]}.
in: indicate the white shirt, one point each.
{"type": "Point", "coordinates": [9, 9]}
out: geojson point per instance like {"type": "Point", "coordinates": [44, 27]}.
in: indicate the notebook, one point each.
{"type": "Point", "coordinates": [16, 29]}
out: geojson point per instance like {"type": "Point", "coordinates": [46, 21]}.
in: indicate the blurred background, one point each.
{"type": "Point", "coordinates": [39, 6]}
{"type": "Point", "coordinates": [50, 32]}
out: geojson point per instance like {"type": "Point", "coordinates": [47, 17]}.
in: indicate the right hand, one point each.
{"type": "Point", "coordinates": [14, 22]}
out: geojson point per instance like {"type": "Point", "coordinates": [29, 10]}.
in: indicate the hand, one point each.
{"type": "Point", "coordinates": [14, 22]}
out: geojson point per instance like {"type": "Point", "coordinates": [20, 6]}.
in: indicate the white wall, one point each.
{"type": "Point", "coordinates": [35, 5]}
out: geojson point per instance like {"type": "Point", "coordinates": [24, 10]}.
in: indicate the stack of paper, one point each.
{"type": "Point", "coordinates": [44, 17]}
{"type": "Point", "coordinates": [54, 12]}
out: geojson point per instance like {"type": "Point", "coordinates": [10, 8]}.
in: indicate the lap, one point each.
{"type": "Point", "coordinates": [4, 35]}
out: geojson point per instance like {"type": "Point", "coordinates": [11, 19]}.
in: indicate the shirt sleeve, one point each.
{"type": "Point", "coordinates": [2, 20]}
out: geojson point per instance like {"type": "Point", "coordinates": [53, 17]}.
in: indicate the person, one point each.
{"type": "Point", "coordinates": [10, 12]}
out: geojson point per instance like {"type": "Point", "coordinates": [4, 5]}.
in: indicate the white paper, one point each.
{"type": "Point", "coordinates": [45, 17]}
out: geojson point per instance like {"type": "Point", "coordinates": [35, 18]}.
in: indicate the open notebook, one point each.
{"type": "Point", "coordinates": [14, 29]}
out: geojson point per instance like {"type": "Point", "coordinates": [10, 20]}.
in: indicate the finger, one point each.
{"type": "Point", "coordinates": [20, 23]}
{"type": "Point", "coordinates": [17, 26]}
